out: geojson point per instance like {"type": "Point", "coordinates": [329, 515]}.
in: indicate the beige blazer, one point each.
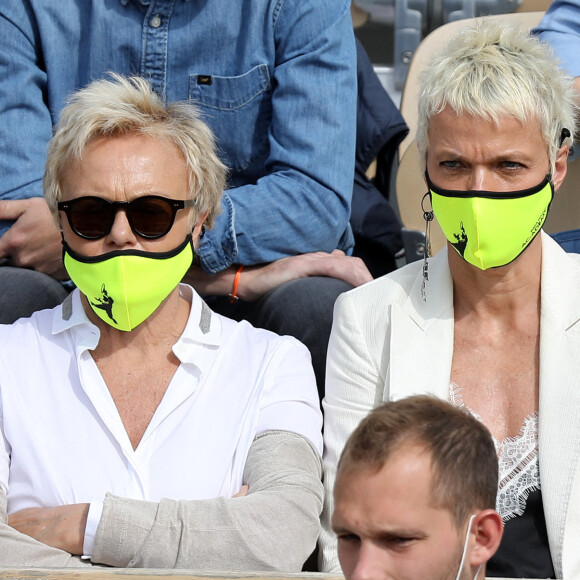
{"type": "Point", "coordinates": [387, 343]}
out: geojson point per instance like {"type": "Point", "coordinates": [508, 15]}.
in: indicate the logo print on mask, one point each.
{"type": "Point", "coordinates": [461, 242]}
{"type": "Point", "coordinates": [105, 303]}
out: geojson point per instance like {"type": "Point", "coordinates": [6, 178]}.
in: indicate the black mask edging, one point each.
{"type": "Point", "coordinates": [490, 194]}
{"type": "Point", "coordinates": [154, 255]}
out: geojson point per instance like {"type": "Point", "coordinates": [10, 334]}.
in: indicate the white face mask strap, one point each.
{"type": "Point", "coordinates": [465, 544]}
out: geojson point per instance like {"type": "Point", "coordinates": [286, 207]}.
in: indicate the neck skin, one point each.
{"type": "Point", "coordinates": [161, 330]}
{"type": "Point", "coordinates": [502, 292]}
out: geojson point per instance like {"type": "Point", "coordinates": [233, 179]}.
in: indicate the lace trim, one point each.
{"type": "Point", "coordinates": [519, 468]}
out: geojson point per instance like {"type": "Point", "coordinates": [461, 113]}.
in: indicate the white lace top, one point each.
{"type": "Point", "coordinates": [519, 471]}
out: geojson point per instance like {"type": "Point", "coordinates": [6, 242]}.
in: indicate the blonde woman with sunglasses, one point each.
{"type": "Point", "coordinates": [139, 428]}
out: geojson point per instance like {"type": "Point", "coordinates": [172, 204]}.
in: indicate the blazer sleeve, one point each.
{"type": "Point", "coordinates": [274, 527]}
{"type": "Point", "coordinates": [353, 387]}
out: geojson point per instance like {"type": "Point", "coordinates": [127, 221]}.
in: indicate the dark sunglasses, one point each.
{"type": "Point", "coordinates": [149, 216]}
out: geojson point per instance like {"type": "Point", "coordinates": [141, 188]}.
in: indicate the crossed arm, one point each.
{"type": "Point", "coordinates": [18, 549]}
{"type": "Point", "coordinates": [273, 527]}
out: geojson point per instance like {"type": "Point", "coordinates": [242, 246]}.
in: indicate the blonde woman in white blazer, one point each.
{"type": "Point", "coordinates": [492, 321]}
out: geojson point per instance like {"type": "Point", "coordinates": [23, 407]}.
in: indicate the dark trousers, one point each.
{"type": "Point", "coordinates": [24, 291]}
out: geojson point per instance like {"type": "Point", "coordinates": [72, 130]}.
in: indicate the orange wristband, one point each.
{"type": "Point", "coordinates": [234, 295]}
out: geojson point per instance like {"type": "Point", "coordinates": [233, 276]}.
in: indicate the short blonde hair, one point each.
{"type": "Point", "coordinates": [495, 69]}
{"type": "Point", "coordinates": [126, 105]}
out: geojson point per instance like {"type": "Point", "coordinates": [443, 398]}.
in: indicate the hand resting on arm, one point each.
{"type": "Point", "coordinates": [18, 549]}
{"type": "Point", "coordinates": [274, 526]}
{"type": "Point", "coordinates": [256, 281]}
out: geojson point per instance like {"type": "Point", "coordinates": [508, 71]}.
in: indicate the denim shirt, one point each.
{"type": "Point", "coordinates": [274, 79]}
{"type": "Point", "coordinates": [560, 28]}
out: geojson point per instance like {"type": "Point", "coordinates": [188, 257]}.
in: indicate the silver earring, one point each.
{"type": "Point", "coordinates": [428, 217]}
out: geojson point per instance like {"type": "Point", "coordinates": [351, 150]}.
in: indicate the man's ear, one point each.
{"type": "Point", "coordinates": [487, 527]}
{"type": "Point", "coordinates": [560, 167]}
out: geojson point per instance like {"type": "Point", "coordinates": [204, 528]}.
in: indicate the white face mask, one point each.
{"type": "Point", "coordinates": [464, 554]}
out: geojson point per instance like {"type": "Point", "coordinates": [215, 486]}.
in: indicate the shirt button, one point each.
{"type": "Point", "coordinates": [156, 21]}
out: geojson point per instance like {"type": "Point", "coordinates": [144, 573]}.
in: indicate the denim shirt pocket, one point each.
{"type": "Point", "coordinates": [238, 110]}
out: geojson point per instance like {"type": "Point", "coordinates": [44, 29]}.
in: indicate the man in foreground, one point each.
{"type": "Point", "coordinates": [415, 494]}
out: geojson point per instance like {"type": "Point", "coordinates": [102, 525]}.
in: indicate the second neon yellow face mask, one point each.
{"type": "Point", "coordinates": [125, 287]}
{"type": "Point", "coordinates": [490, 228]}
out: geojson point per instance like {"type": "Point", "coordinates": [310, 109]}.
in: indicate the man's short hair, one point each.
{"type": "Point", "coordinates": [495, 69]}
{"type": "Point", "coordinates": [125, 106]}
{"type": "Point", "coordinates": [463, 455]}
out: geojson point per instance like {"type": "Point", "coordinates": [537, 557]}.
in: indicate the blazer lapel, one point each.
{"type": "Point", "coordinates": [559, 404]}
{"type": "Point", "coordinates": [420, 362]}
{"type": "Point", "coordinates": [422, 348]}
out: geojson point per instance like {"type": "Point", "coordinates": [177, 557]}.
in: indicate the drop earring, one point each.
{"type": "Point", "coordinates": [428, 217]}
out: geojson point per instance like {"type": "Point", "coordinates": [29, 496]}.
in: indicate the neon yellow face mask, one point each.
{"type": "Point", "coordinates": [125, 287]}
{"type": "Point", "coordinates": [490, 228]}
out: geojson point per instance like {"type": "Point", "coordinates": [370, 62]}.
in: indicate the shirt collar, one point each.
{"type": "Point", "coordinates": [71, 315]}
{"type": "Point", "coordinates": [203, 328]}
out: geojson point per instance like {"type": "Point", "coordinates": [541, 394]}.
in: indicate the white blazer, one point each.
{"type": "Point", "coordinates": [388, 343]}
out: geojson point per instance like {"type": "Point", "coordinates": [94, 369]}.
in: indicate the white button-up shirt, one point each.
{"type": "Point", "coordinates": [63, 440]}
